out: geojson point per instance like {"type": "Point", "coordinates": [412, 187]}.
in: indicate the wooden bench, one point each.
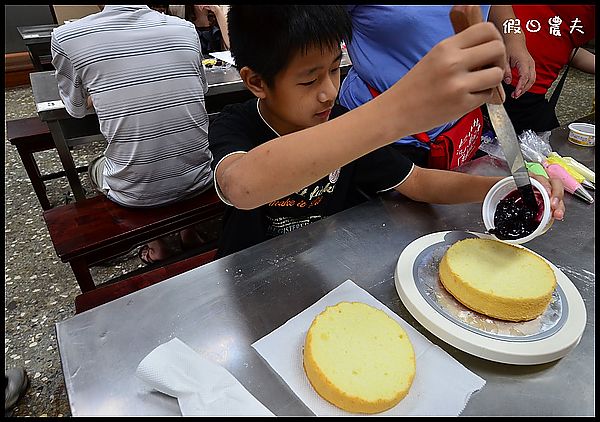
{"type": "Point", "coordinates": [28, 136]}
{"type": "Point", "coordinates": [87, 232]}
{"type": "Point", "coordinates": [109, 292]}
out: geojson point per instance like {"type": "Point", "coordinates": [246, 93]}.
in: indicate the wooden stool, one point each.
{"type": "Point", "coordinates": [32, 135]}
{"type": "Point", "coordinates": [87, 232]}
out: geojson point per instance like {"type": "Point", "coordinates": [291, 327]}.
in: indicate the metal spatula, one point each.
{"type": "Point", "coordinates": [462, 17]}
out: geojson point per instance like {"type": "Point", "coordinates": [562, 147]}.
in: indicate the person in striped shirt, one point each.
{"type": "Point", "coordinates": [141, 71]}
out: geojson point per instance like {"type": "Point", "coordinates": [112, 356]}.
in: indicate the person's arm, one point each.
{"type": "Point", "coordinates": [456, 76]}
{"type": "Point", "coordinates": [222, 22]}
{"type": "Point", "coordinates": [70, 87]}
{"type": "Point", "coordinates": [445, 187]}
{"type": "Point", "coordinates": [585, 61]}
{"type": "Point", "coordinates": [516, 50]}
{"type": "Point", "coordinates": [451, 187]}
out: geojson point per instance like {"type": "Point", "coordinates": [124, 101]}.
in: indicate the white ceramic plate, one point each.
{"type": "Point", "coordinates": [547, 338]}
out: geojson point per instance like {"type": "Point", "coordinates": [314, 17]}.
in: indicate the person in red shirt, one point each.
{"type": "Point", "coordinates": [553, 34]}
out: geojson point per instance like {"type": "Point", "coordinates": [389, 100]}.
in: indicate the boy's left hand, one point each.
{"type": "Point", "coordinates": [556, 190]}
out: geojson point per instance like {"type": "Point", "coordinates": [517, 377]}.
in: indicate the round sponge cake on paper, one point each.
{"type": "Point", "coordinates": [358, 358]}
{"type": "Point", "coordinates": [497, 279]}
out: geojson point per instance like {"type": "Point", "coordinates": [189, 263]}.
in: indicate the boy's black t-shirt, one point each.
{"type": "Point", "coordinates": [239, 127]}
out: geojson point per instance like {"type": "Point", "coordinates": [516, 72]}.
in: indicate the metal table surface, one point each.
{"type": "Point", "coordinates": [50, 107]}
{"type": "Point", "coordinates": [221, 308]}
{"type": "Point", "coordinates": [36, 34]}
{"type": "Point", "coordinates": [45, 91]}
{"type": "Point", "coordinates": [37, 40]}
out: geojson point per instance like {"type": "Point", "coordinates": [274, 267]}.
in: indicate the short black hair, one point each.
{"type": "Point", "coordinates": [265, 37]}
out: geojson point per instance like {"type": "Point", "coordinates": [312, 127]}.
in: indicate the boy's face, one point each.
{"type": "Point", "coordinates": [304, 92]}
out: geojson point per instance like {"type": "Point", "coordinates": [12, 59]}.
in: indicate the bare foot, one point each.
{"type": "Point", "coordinates": [154, 251]}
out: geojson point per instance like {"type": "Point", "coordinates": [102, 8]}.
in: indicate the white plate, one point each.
{"type": "Point", "coordinates": [547, 338]}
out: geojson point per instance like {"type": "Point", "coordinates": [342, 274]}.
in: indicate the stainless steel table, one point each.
{"type": "Point", "coordinates": [221, 308]}
{"type": "Point", "coordinates": [37, 40]}
{"type": "Point", "coordinates": [68, 131]}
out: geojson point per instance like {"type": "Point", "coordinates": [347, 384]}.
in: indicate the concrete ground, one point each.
{"type": "Point", "coordinates": [40, 290]}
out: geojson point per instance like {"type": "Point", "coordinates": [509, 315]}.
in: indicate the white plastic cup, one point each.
{"type": "Point", "coordinates": [498, 192]}
{"type": "Point", "coordinates": [583, 134]}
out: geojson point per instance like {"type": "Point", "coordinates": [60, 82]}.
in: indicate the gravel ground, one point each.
{"type": "Point", "coordinates": [40, 290]}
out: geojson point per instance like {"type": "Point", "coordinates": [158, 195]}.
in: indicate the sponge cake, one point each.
{"type": "Point", "coordinates": [358, 358]}
{"type": "Point", "coordinates": [497, 279]}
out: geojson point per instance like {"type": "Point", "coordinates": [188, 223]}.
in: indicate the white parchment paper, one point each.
{"type": "Point", "coordinates": [442, 386]}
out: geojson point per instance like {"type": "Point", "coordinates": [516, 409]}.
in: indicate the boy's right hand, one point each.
{"type": "Point", "coordinates": [458, 75]}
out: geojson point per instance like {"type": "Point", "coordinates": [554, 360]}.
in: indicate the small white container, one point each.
{"type": "Point", "coordinates": [583, 134]}
{"type": "Point", "coordinates": [499, 191]}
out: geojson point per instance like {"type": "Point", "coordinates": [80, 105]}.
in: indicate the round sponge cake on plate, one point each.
{"type": "Point", "coordinates": [358, 358]}
{"type": "Point", "coordinates": [497, 279]}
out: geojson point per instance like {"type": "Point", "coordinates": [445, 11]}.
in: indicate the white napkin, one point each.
{"type": "Point", "coordinates": [201, 387]}
{"type": "Point", "coordinates": [224, 55]}
{"type": "Point", "coordinates": [442, 386]}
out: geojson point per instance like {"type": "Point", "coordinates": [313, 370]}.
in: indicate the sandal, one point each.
{"type": "Point", "coordinates": [16, 381]}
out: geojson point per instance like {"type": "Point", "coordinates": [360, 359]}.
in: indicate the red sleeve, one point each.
{"type": "Point", "coordinates": [550, 51]}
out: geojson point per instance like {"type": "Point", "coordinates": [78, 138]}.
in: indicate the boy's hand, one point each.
{"type": "Point", "coordinates": [216, 9]}
{"type": "Point", "coordinates": [556, 190]}
{"type": "Point", "coordinates": [213, 8]}
{"type": "Point", "coordinates": [458, 75]}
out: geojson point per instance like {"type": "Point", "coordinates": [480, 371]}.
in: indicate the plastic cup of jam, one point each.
{"type": "Point", "coordinates": [508, 219]}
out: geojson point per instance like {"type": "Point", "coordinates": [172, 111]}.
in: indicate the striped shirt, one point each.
{"type": "Point", "coordinates": [143, 72]}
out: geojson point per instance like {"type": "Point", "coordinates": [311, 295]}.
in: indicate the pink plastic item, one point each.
{"type": "Point", "coordinates": [555, 170]}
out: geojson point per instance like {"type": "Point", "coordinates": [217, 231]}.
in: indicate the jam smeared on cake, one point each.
{"type": "Point", "coordinates": [513, 219]}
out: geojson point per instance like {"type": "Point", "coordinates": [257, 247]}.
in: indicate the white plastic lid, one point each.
{"type": "Point", "coordinates": [583, 128]}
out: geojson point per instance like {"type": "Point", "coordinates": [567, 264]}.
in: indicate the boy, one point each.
{"type": "Point", "coordinates": [286, 159]}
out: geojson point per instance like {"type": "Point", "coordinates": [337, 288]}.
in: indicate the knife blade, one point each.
{"type": "Point", "coordinates": [463, 16]}
{"type": "Point", "coordinates": [505, 132]}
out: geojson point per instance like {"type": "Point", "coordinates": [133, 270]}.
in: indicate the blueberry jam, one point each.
{"type": "Point", "coordinates": [513, 219]}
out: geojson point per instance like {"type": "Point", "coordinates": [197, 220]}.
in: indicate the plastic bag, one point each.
{"type": "Point", "coordinates": [491, 146]}
{"type": "Point", "coordinates": [535, 147]}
